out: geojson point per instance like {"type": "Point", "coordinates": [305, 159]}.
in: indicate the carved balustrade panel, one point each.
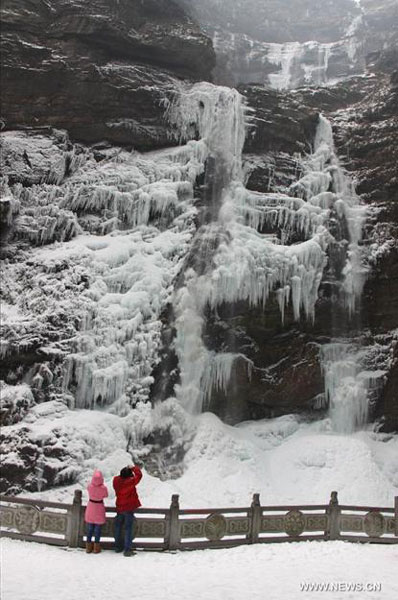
{"type": "Point", "coordinates": [82, 523]}
{"type": "Point", "coordinates": [51, 522]}
{"type": "Point", "coordinates": [374, 524]}
{"type": "Point", "coordinates": [192, 528]}
{"type": "Point", "coordinates": [353, 523]}
{"type": "Point", "coordinates": [390, 525]}
{"type": "Point", "coordinates": [7, 514]}
{"type": "Point", "coordinates": [316, 522]}
{"type": "Point", "coordinates": [28, 520]}
{"type": "Point", "coordinates": [272, 524]}
{"type": "Point", "coordinates": [143, 528]}
{"type": "Point", "coordinates": [150, 528]}
{"type": "Point", "coordinates": [238, 525]}
{"type": "Point", "coordinates": [215, 527]}
{"type": "Point", "coordinates": [294, 523]}
{"type": "Point", "coordinates": [107, 528]}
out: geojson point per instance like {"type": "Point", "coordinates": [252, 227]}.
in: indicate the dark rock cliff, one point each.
{"type": "Point", "coordinates": [100, 69]}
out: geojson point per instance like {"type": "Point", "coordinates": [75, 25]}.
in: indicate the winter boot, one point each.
{"type": "Point", "coordinates": [89, 547]}
{"type": "Point", "coordinates": [97, 547]}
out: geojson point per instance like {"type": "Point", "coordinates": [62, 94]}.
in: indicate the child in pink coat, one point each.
{"type": "Point", "coordinates": [95, 511]}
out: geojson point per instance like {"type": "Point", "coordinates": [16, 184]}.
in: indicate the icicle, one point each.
{"type": "Point", "coordinates": [190, 349]}
{"type": "Point", "coordinates": [347, 386]}
{"type": "Point", "coordinates": [217, 373]}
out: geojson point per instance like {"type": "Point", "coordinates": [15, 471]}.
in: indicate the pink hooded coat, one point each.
{"type": "Point", "coordinates": [95, 511]}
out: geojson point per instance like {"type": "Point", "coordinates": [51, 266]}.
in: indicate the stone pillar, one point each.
{"type": "Point", "coordinates": [333, 511]}
{"type": "Point", "coordinates": [173, 540]}
{"type": "Point", "coordinates": [255, 518]}
{"type": "Point", "coordinates": [396, 514]}
{"type": "Point", "coordinates": [73, 536]}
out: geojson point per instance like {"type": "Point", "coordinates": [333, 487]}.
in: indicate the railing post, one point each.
{"type": "Point", "coordinates": [333, 510]}
{"type": "Point", "coordinates": [174, 530]}
{"type": "Point", "coordinates": [74, 520]}
{"type": "Point", "coordinates": [255, 521]}
{"type": "Point", "coordinates": [396, 514]}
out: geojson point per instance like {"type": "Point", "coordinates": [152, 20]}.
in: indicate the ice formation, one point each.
{"type": "Point", "coordinates": [290, 57]}
{"type": "Point", "coordinates": [292, 64]}
{"type": "Point", "coordinates": [347, 386]}
{"type": "Point", "coordinates": [138, 216]}
{"type": "Point", "coordinates": [245, 264]}
{"type": "Point", "coordinates": [308, 63]}
{"type": "Point", "coordinates": [347, 383]}
{"type": "Point", "coordinates": [349, 210]}
{"type": "Point", "coordinates": [114, 279]}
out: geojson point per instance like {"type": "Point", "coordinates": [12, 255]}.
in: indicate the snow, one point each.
{"type": "Point", "coordinates": [10, 312]}
{"type": "Point", "coordinates": [285, 459]}
{"type": "Point", "coordinates": [250, 458]}
{"type": "Point", "coordinates": [15, 401]}
{"type": "Point", "coordinates": [272, 571]}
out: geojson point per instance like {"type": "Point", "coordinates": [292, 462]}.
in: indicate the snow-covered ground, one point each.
{"type": "Point", "coordinates": [260, 572]}
{"type": "Point", "coordinates": [285, 459]}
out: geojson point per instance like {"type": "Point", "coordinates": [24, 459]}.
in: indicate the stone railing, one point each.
{"type": "Point", "coordinates": [174, 528]}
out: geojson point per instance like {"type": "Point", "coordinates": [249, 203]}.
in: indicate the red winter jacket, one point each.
{"type": "Point", "coordinates": [126, 494]}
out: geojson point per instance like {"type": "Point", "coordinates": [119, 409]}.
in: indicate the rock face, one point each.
{"type": "Point", "coordinates": [275, 21]}
{"type": "Point", "coordinates": [285, 45]}
{"type": "Point", "coordinates": [103, 70]}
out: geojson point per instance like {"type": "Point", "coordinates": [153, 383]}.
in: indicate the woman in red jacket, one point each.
{"type": "Point", "coordinates": [127, 502]}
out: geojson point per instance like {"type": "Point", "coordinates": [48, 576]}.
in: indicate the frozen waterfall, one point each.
{"type": "Point", "coordinates": [347, 382]}
{"type": "Point", "coordinates": [148, 245]}
{"type": "Point", "coordinates": [292, 64]}
{"type": "Point", "coordinates": [347, 386]}
{"type": "Point", "coordinates": [242, 263]}
{"type": "Point", "coordinates": [309, 63]}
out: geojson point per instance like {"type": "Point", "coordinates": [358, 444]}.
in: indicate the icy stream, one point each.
{"type": "Point", "coordinates": [347, 381]}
